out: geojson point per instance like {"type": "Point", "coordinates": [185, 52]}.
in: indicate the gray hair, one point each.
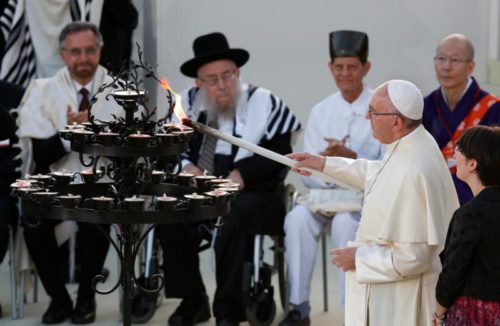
{"type": "Point", "coordinates": [80, 26]}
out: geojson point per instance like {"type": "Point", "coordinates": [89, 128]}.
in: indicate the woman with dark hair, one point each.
{"type": "Point", "coordinates": [468, 290]}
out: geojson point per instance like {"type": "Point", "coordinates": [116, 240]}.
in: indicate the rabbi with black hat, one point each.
{"type": "Point", "coordinates": [336, 127]}
{"type": "Point", "coordinates": [221, 99]}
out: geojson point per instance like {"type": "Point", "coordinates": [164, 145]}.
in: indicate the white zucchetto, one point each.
{"type": "Point", "coordinates": [407, 98]}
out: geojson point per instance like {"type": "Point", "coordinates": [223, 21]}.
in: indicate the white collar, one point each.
{"type": "Point", "coordinates": [79, 86]}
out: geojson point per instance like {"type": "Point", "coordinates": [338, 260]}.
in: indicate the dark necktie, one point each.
{"type": "Point", "coordinates": [84, 103]}
{"type": "Point", "coordinates": [206, 159]}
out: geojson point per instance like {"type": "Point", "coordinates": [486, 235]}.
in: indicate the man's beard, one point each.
{"type": "Point", "coordinates": [88, 71]}
{"type": "Point", "coordinates": [213, 109]}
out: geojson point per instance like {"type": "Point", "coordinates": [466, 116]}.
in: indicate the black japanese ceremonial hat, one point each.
{"type": "Point", "coordinates": [349, 44]}
{"type": "Point", "coordinates": [212, 47]}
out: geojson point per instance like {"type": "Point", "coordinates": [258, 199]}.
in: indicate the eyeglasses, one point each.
{"type": "Point", "coordinates": [214, 80]}
{"type": "Point", "coordinates": [441, 60]}
{"type": "Point", "coordinates": [371, 112]}
{"type": "Point", "coordinates": [76, 52]}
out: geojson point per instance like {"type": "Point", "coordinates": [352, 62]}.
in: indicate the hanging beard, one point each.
{"type": "Point", "coordinates": [221, 108]}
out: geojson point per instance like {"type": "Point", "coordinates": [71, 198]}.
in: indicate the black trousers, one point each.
{"type": "Point", "coordinates": [233, 246]}
{"type": "Point", "coordinates": [50, 260]}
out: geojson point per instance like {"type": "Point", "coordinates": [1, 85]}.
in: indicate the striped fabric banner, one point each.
{"type": "Point", "coordinates": [18, 62]}
{"type": "Point", "coordinates": [76, 12]}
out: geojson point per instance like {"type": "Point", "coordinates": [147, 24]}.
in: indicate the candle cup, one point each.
{"type": "Point", "coordinates": [139, 139]}
{"type": "Point", "coordinates": [214, 183]}
{"type": "Point", "coordinates": [229, 184]}
{"type": "Point", "coordinates": [63, 178]}
{"type": "Point", "coordinates": [43, 180]}
{"type": "Point", "coordinates": [66, 134]}
{"type": "Point", "coordinates": [83, 136]}
{"type": "Point", "coordinates": [75, 126]}
{"type": "Point", "coordinates": [69, 200]}
{"type": "Point", "coordinates": [183, 136]}
{"type": "Point", "coordinates": [195, 200]}
{"type": "Point", "coordinates": [88, 176]}
{"type": "Point", "coordinates": [27, 192]}
{"type": "Point", "coordinates": [44, 197]}
{"type": "Point", "coordinates": [166, 202]}
{"type": "Point", "coordinates": [20, 183]}
{"type": "Point", "coordinates": [157, 176]}
{"type": "Point", "coordinates": [108, 138]}
{"type": "Point", "coordinates": [165, 139]}
{"type": "Point", "coordinates": [128, 95]}
{"type": "Point", "coordinates": [170, 127]}
{"type": "Point", "coordinates": [134, 204]}
{"type": "Point", "coordinates": [233, 192]}
{"type": "Point", "coordinates": [218, 196]}
{"type": "Point", "coordinates": [102, 203]}
{"type": "Point", "coordinates": [184, 179]}
{"type": "Point", "coordinates": [201, 181]}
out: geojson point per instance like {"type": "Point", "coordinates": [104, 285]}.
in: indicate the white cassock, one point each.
{"type": "Point", "coordinates": [42, 113]}
{"type": "Point", "coordinates": [333, 117]}
{"type": "Point", "coordinates": [409, 201]}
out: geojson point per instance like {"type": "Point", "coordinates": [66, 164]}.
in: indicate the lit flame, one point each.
{"type": "Point", "coordinates": [178, 110]}
{"type": "Point", "coordinates": [164, 84]}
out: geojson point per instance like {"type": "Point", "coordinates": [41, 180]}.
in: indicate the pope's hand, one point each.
{"type": "Point", "coordinates": [344, 258]}
{"type": "Point", "coordinates": [307, 160]}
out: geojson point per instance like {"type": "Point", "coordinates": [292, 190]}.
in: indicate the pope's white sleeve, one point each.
{"type": "Point", "coordinates": [350, 172]}
{"type": "Point", "coordinates": [384, 263]}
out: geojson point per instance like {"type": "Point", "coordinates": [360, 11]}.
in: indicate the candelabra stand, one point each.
{"type": "Point", "coordinates": [120, 184]}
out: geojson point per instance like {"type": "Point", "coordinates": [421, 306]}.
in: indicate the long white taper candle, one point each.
{"type": "Point", "coordinates": [258, 150]}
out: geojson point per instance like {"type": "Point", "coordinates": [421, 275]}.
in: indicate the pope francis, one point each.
{"type": "Point", "coordinates": [393, 265]}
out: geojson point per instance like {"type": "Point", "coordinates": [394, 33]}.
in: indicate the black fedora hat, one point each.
{"type": "Point", "coordinates": [349, 44]}
{"type": "Point", "coordinates": [211, 47]}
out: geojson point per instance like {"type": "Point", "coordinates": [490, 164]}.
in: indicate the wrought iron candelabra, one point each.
{"type": "Point", "coordinates": [122, 182]}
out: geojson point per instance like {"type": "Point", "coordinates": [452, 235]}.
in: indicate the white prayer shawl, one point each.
{"type": "Point", "coordinates": [263, 116]}
{"type": "Point", "coordinates": [42, 112]}
{"type": "Point", "coordinates": [404, 220]}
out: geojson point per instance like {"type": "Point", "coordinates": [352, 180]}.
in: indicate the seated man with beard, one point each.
{"type": "Point", "coordinates": [220, 99]}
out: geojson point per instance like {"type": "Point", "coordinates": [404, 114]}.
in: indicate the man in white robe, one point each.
{"type": "Point", "coordinates": [48, 106]}
{"type": "Point", "coordinates": [393, 264]}
{"type": "Point", "coordinates": [336, 127]}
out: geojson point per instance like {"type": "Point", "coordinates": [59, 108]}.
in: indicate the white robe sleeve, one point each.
{"type": "Point", "coordinates": [348, 171]}
{"type": "Point", "coordinates": [384, 263]}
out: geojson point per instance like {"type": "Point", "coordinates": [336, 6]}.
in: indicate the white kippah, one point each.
{"type": "Point", "coordinates": [407, 98]}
